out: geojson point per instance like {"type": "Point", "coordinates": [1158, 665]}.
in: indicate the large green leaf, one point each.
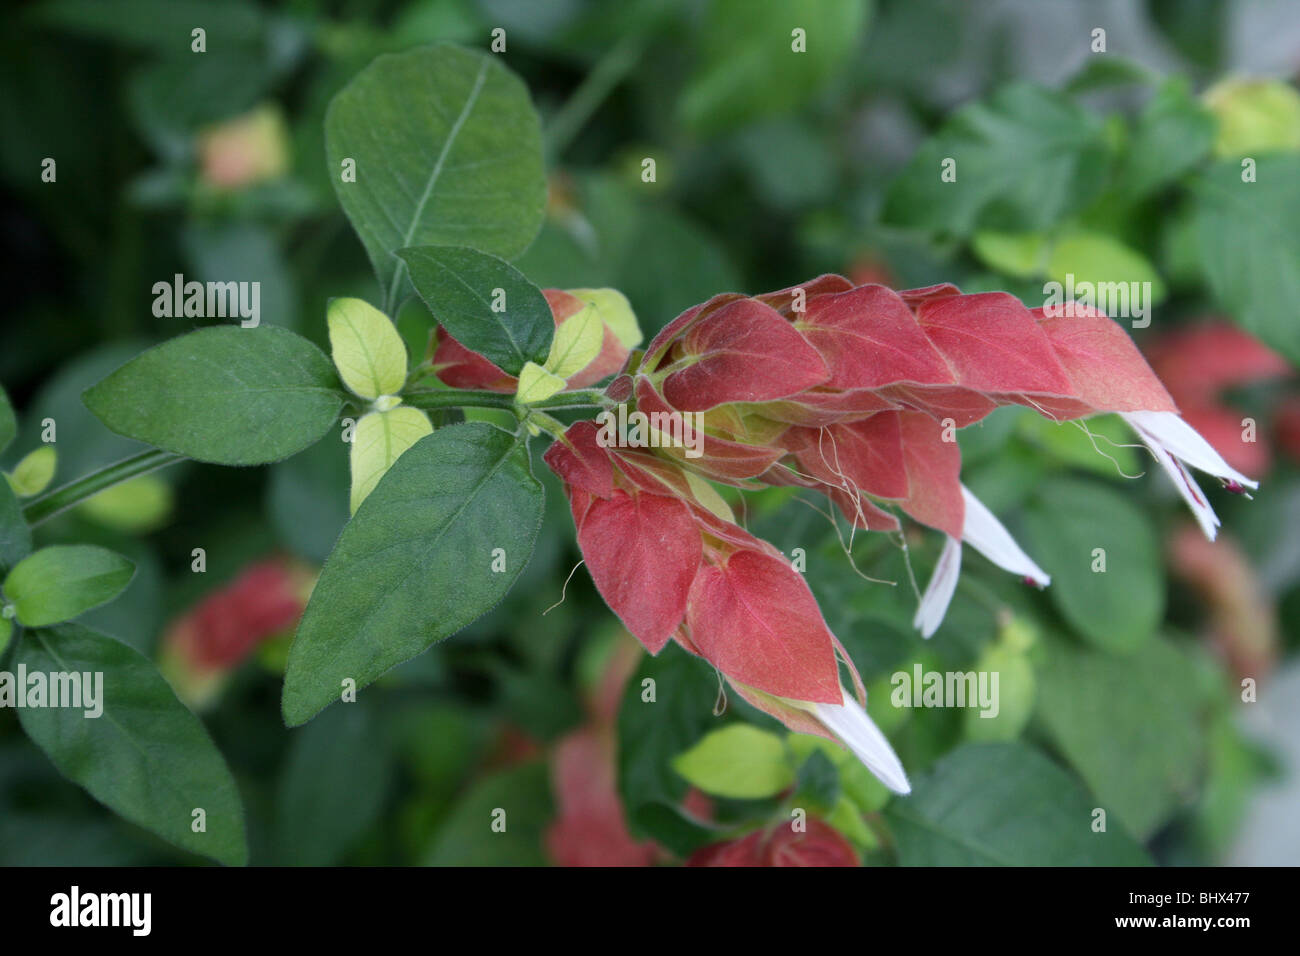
{"type": "Point", "coordinates": [1004, 804]}
{"type": "Point", "coordinates": [1128, 725]}
{"type": "Point", "coordinates": [146, 756]}
{"type": "Point", "coordinates": [224, 395]}
{"type": "Point", "coordinates": [447, 149]}
{"type": "Point", "coordinates": [415, 564]}
{"type": "Point", "coordinates": [1024, 160]}
{"type": "Point", "coordinates": [63, 581]}
{"type": "Point", "coordinates": [459, 287]}
{"type": "Point", "coordinates": [1250, 248]}
{"type": "Point", "coordinates": [1074, 529]}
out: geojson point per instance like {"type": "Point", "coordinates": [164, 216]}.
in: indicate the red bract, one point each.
{"type": "Point", "coordinates": [1198, 364]}
{"type": "Point", "coordinates": [856, 392]}
{"type": "Point", "coordinates": [217, 634]}
{"type": "Point", "coordinates": [818, 845]}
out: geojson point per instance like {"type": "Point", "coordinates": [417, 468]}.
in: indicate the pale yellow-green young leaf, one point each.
{"type": "Point", "coordinates": [577, 342]}
{"type": "Point", "coordinates": [378, 441]}
{"type": "Point", "coordinates": [139, 505]}
{"type": "Point", "coordinates": [367, 349]}
{"type": "Point", "coordinates": [615, 311]}
{"type": "Point", "coordinates": [739, 761]}
{"type": "Point", "coordinates": [536, 384]}
{"type": "Point", "coordinates": [708, 496]}
{"type": "Point", "coordinates": [33, 474]}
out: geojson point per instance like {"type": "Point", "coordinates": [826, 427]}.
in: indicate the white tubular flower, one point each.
{"type": "Point", "coordinates": [1174, 442]}
{"type": "Point", "coordinates": [850, 723]}
{"type": "Point", "coordinates": [938, 593]}
{"type": "Point", "coordinates": [986, 534]}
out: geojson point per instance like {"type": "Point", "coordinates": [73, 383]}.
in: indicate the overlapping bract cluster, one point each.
{"type": "Point", "coordinates": [856, 392]}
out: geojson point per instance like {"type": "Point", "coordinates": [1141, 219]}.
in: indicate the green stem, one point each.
{"type": "Point", "coordinates": [75, 492]}
{"type": "Point", "coordinates": [608, 72]}
{"type": "Point", "coordinates": [458, 398]}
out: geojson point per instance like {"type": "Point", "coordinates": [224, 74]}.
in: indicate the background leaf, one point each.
{"type": "Point", "coordinates": [1128, 725]}
{"type": "Point", "coordinates": [414, 565]}
{"type": "Point", "coordinates": [332, 788]}
{"type": "Point", "coordinates": [1249, 247]}
{"type": "Point", "coordinates": [738, 761]}
{"type": "Point", "coordinates": [1003, 804]}
{"type": "Point", "coordinates": [225, 395]}
{"type": "Point", "coordinates": [1116, 609]}
{"type": "Point", "coordinates": [146, 757]}
{"type": "Point", "coordinates": [1024, 158]}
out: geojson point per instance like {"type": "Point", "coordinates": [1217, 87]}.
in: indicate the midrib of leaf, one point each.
{"type": "Point", "coordinates": [434, 174]}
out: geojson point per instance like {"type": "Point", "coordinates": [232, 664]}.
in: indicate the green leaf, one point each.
{"type": "Point", "coordinates": [447, 150]}
{"type": "Point", "coordinates": [738, 761]}
{"type": "Point", "coordinates": [667, 706]}
{"type": "Point", "coordinates": [1014, 697]}
{"type": "Point", "coordinates": [1172, 134]}
{"type": "Point", "coordinates": [1249, 247]}
{"type": "Point", "coordinates": [467, 837]}
{"type": "Point", "coordinates": [414, 565]}
{"type": "Point", "coordinates": [615, 313]}
{"type": "Point", "coordinates": [146, 757]}
{"type": "Point", "coordinates": [379, 440]}
{"type": "Point", "coordinates": [1129, 726]}
{"type": "Point", "coordinates": [536, 384]}
{"type": "Point", "coordinates": [576, 344]}
{"type": "Point", "coordinates": [1098, 258]}
{"type": "Point", "coordinates": [1118, 608]}
{"type": "Point", "coordinates": [63, 581]}
{"type": "Point", "coordinates": [1025, 159]}
{"type": "Point", "coordinates": [15, 535]}
{"type": "Point", "coordinates": [366, 347]}
{"type": "Point", "coordinates": [332, 787]}
{"type": "Point", "coordinates": [1106, 452]}
{"type": "Point", "coordinates": [8, 423]}
{"type": "Point", "coordinates": [34, 473]}
{"type": "Point", "coordinates": [1022, 255]}
{"type": "Point", "coordinates": [484, 302]}
{"type": "Point", "coordinates": [1254, 116]}
{"type": "Point", "coordinates": [224, 395]}
{"type": "Point", "coordinates": [136, 506]}
{"type": "Point", "coordinates": [749, 67]}
{"type": "Point", "coordinates": [1004, 804]}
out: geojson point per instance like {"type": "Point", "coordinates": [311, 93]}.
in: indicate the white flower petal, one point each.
{"type": "Point", "coordinates": [1182, 441]}
{"type": "Point", "coordinates": [987, 535]}
{"type": "Point", "coordinates": [938, 593]}
{"type": "Point", "coordinates": [1186, 485]}
{"type": "Point", "coordinates": [850, 723]}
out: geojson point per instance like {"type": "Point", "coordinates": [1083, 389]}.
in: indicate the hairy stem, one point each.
{"type": "Point", "coordinates": [75, 492]}
{"type": "Point", "coordinates": [461, 398]}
